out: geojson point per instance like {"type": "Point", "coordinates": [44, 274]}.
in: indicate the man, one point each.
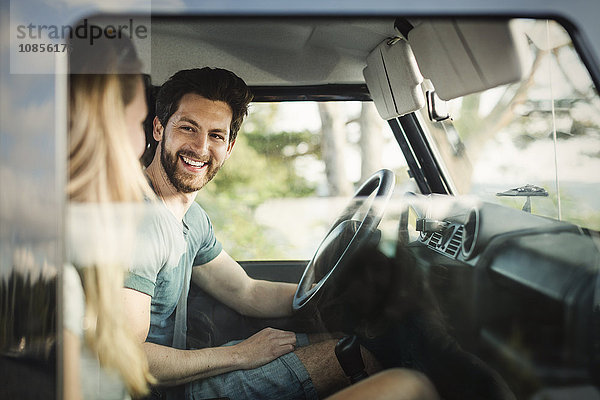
{"type": "Point", "coordinates": [198, 115]}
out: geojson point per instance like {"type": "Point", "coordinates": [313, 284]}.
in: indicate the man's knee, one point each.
{"type": "Point", "coordinates": [414, 384]}
{"type": "Point", "coordinates": [392, 384]}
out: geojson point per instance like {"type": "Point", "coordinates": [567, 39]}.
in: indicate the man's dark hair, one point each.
{"type": "Point", "coordinates": [211, 83]}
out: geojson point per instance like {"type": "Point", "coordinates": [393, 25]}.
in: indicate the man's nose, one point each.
{"type": "Point", "coordinates": [200, 144]}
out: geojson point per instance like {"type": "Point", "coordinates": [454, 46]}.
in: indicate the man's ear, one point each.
{"type": "Point", "coordinates": [157, 129]}
{"type": "Point", "coordinates": [229, 149]}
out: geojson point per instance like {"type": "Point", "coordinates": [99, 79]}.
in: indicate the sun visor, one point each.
{"type": "Point", "coordinates": [393, 79]}
{"type": "Point", "coordinates": [463, 57]}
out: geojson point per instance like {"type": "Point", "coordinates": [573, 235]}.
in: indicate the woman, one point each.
{"type": "Point", "coordinates": [105, 187]}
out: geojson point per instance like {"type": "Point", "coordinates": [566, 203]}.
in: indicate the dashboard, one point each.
{"type": "Point", "coordinates": [516, 288]}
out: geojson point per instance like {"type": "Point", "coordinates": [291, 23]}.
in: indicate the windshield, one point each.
{"type": "Point", "coordinates": [532, 145]}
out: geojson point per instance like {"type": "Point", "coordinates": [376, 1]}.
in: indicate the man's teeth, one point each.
{"type": "Point", "coordinates": [192, 162]}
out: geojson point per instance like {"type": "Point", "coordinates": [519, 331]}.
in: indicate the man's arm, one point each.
{"type": "Point", "coordinates": [227, 281]}
{"type": "Point", "coordinates": [173, 366]}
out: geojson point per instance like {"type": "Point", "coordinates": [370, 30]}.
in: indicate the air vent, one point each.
{"type": "Point", "coordinates": [435, 240]}
{"type": "Point", "coordinates": [453, 246]}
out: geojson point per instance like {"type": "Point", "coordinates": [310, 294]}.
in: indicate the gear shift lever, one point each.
{"type": "Point", "coordinates": [347, 351]}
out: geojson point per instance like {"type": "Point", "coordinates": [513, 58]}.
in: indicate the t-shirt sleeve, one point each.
{"type": "Point", "coordinates": [140, 283]}
{"type": "Point", "coordinates": [159, 244]}
{"type": "Point", "coordinates": [209, 247]}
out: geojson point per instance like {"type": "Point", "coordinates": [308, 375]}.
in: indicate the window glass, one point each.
{"type": "Point", "coordinates": [543, 132]}
{"type": "Point", "coordinates": [294, 168]}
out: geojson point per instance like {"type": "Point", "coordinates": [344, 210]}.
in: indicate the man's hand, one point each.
{"type": "Point", "coordinates": [265, 346]}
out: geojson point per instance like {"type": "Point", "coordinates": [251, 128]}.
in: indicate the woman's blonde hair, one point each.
{"type": "Point", "coordinates": [102, 163]}
{"type": "Point", "coordinates": [103, 170]}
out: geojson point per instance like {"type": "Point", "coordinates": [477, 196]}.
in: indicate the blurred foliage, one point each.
{"type": "Point", "coordinates": [237, 230]}
{"type": "Point", "coordinates": [527, 113]}
{"type": "Point", "coordinates": [261, 167]}
{"type": "Point", "coordinates": [269, 163]}
{"type": "Point", "coordinates": [27, 314]}
{"type": "Point", "coordinates": [525, 110]}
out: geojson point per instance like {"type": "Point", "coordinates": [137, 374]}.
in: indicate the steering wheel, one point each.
{"type": "Point", "coordinates": [346, 236]}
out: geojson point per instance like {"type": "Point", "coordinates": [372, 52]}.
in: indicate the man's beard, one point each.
{"type": "Point", "coordinates": [182, 181]}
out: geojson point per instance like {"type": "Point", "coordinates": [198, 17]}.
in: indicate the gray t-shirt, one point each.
{"type": "Point", "coordinates": [169, 283]}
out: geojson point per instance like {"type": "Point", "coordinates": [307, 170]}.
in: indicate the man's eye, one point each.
{"type": "Point", "coordinates": [187, 128]}
{"type": "Point", "coordinates": [217, 136]}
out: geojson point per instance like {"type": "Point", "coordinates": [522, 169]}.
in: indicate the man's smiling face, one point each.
{"type": "Point", "coordinates": [195, 142]}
